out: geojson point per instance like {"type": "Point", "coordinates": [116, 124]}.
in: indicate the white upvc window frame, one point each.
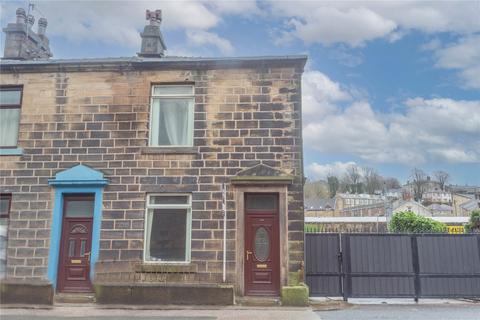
{"type": "Point", "coordinates": [188, 236]}
{"type": "Point", "coordinates": [154, 96]}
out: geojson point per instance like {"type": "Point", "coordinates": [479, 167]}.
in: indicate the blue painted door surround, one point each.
{"type": "Point", "coordinates": [78, 179]}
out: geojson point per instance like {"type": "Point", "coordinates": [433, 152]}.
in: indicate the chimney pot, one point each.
{"type": "Point", "coordinates": [21, 16]}
{"type": "Point", "coordinates": [30, 20]}
{"type": "Point", "coordinates": [42, 26]}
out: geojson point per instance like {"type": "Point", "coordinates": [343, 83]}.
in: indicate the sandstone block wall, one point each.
{"type": "Point", "coordinates": [243, 117]}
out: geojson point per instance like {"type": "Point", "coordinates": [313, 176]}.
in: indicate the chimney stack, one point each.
{"type": "Point", "coordinates": [22, 43]}
{"type": "Point", "coordinates": [153, 45]}
{"type": "Point", "coordinates": [42, 27]}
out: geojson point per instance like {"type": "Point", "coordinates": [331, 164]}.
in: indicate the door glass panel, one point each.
{"type": "Point", "coordinates": [262, 244]}
{"type": "Point", "coordinates": [82, 248]}
{"type": "Point", "coordinates": [79, 208]}
{"type": "Point", "coordinates": [71, 248]}
{"type": "Point", "coordinates": [261, 202]}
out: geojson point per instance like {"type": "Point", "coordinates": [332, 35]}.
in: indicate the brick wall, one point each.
{"type": "Point", "coordinates": [242, 117]}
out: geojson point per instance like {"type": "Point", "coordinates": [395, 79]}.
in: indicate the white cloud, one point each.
{"type": "Point", "coordinates": [463, 55]}
{"type": "Point", "coordinates": [320, 95]}
{"type": "Point", "coordinates": [356, 22]}
{"type": "Point", "coordinates": [318, 171]}
{"type": "Point", "coordinates": [202, 38]}
{"type": "Point", "coordinates": [424, 130]}
{"type": "Point", "coordinates": [330, 25]}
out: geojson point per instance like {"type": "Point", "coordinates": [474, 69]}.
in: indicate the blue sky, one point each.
{"type": "Point", "coordinates": [391, 85]}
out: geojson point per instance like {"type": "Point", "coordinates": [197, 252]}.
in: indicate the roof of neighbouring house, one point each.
{"type": "Point", "coordinates": [440, 207]}
{"type": "Point", "coordinates": [400, 203]}
{"type": "Point", "coordinates": [319, 204]}
{"type": "Point", "coordinates": [142, 63]}
{"type": "Point", "coordinates": [470, 204]}
{"type": "Point", "coordinates": [360, 196]}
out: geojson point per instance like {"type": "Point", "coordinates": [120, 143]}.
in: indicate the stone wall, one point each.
{"type": "Point", "coordinates": [242, 117]}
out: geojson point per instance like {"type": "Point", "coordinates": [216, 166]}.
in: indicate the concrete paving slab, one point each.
{"type": "Point", "coordinates": [181, 313]}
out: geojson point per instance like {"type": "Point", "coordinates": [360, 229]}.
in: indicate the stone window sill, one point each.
{"type": "Point", "coordinates": [11, 152]}
{"type": "Point", "coordinates": [170, 150]}
{"type": "Point", "coordinates": [166, 268]}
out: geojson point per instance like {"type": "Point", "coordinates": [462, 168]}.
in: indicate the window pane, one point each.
{"type": "Point", "coordinates": [174, 123]}
{"type": "Point", "coordinates": [172, 90]}
{"type": "Point", "coordinates": [82, 248]}
{"type": "Point", "coordinates": [168, 235]}
{"type": "Point", "coordinates": [79, 208]}
{"type": "Point", "coordinates": [9, 119]}
{"type": "Point", "coordinates": [261, 201]}
{"type": "Point", "coordinates": [169, 200]}
{"type": "Point", "coordinates": [71, 248]}
{"type": "Point", "coordinates": [10, 96]}
{"type": "Point", "coordinates": [262, 244]}
{"type": "Point", "coordinates": [4, 205]}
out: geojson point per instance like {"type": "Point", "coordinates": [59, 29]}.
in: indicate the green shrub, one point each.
{"type": "Point", "coordinates": [473, 226]}
{"type": "Point", "coordinates": [409, 222]}
{"type": "Point", "coordinates": [314, 228]}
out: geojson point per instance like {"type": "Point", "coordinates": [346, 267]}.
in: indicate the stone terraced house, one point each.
{"type": "Point", "coordinates": [148, 179]}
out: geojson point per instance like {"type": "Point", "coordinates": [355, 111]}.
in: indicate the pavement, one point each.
{"type": "Point", "coordinates": [321, 309]}
{"type": "Point", "coordinates": [93, 312]}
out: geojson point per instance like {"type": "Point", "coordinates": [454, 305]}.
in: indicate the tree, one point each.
{"type": "Point", "coordinates": [333, 185]}
{"type": "Point", "coordinates": [442, 178]}
{"type": "Point", "coordinates": [391, 183]}
{"type": "Point", "coordinates": [474, 224]}
{"type": "Point", "coordinates": [372, 180]}
{"type": "Point", "coordinates": [353, 177]}
{"type": "Point", "coordinates": [410, 222]}
{"type": "Point", "coordinates": [419, 179]}
{"type": "Point", "coordinates": [316, 190]}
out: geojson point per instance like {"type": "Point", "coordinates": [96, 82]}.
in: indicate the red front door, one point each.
{"type": "Point", "coordinates": [262, 245]}
{"type": "Point", "coordinates": [76, 243]}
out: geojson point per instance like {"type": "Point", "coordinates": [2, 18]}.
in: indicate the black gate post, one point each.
{"type": "Point", "coordinates": [416, 268]}
{"type": "Point", "coordinates": [346, 266]}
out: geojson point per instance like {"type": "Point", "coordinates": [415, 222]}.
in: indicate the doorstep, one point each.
{"type": "Point", "coordinates": [73, 298]}
{"type": "Point", "coordinates": [258, 301]}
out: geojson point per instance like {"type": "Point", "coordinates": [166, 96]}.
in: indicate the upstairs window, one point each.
{"type": "Point", "coordinates": [5, 203]}
{"type": "Point", "coordinates": [171, 116]}
{"type": "Point", "coordinates": [10, 104]}
{"type": "Point", "coordinates": [168, 228]}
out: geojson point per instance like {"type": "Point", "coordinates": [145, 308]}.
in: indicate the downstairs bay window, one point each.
{"type": "Point", "coordinates": [168, 228]}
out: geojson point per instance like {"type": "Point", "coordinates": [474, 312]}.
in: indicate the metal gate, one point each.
{"type": "Point", "coordinates": [393, 265]}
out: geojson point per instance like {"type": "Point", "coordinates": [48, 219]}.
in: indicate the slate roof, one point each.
{"type": "Point", "coordinates": [168, 62]}
{"type": "Point", "coordinates": [470, 204]}
{"type": "Point", "coordinates": [440, 207]}
{"type": "Point", "coordinates": [319, 204]}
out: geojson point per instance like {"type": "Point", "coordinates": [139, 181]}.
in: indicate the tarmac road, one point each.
{"type": "Point", "coordinates": [404, 312]}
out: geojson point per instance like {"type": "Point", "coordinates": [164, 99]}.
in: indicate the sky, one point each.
{"type": "Point", "coordinates": [392, 85]}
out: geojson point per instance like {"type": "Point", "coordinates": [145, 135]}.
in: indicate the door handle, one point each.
{"type": "Point", "coordinates": [87, 254]}
{"type": "Point", "coordinates": [248, 254]}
